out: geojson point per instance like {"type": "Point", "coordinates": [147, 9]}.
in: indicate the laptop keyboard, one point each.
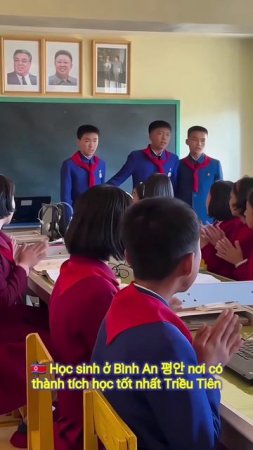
{"type": "Point", "coordinates": [246, 351]}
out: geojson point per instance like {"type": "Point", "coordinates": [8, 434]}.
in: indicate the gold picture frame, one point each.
{"type": "Point", "coordinates": [63, 66]}
{"type": "Point", "coordinates": [21, 65]}
{"type": "Point", "coordinates": [111, 68]}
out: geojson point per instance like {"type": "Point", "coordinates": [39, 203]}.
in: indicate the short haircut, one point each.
{"type": "Point", "coordinates": [159, 124]}
{"type": "Point", "coordinates": [196, 128]}
{"type": "Point", "coordinates": [84, 129]}
{"type": "Point", "coordinates": [250, 198]}
{"type": "Point", "coordinates": [157, 234]}
{"type": "Point", "coordinates": [94, 231]}
{"type": "Point", "coordinates": [140, 189]}
{"type": "Point", "coordinates": [7, 190]}
{"type": "Point", "coordinates": [158, 185]}
{"type": "Point", "coordinates": [26, 52]}
{"type": "Point", "coordinates": [218, 207]}
{"type": "Point", "coordinates": [241, 190]}
{"type": "Point", "coordinates": [63, 52]}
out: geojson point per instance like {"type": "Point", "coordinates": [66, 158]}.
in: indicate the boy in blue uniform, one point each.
{"type": "Point", "coordinates": [161, 237]}
{"type": "Point", "coordinates": [196, 174]}
{"type": "Point", "coordinates": [141, 164]}
{"type": "Point", "coordinates": [83, 169]}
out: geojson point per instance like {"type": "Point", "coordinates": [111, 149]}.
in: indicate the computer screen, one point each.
{"type": "Point", "coordinates": [27, 208]}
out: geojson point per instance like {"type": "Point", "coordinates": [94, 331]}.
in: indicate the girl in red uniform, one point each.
{"type": "Point", "coordinates": [232, 242]}
{"type": "Point", "coordinates": [83, 294]}
{"type": "Point", "coordinates": [16, 319]}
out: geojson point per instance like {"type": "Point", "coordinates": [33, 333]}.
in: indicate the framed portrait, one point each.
{"type": "Point", "coordinates": [21, 65]}
{"type": "Point", "coordinates": [111, 68]}
{"type": "Point", "coordinates": [63, 68]}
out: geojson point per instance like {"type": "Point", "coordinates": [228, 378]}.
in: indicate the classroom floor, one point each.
{"type": "Point", "coordinates": [5, 434]}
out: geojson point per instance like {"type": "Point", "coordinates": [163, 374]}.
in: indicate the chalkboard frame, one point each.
{"type": "Point", "coordinates": [175, 103]}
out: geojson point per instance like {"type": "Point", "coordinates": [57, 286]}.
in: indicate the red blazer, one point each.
{"type": "Point", "coordinates": [79, 302]}
{"type": "Point", "coordinates": [13, 279]}
{"type": "Point", "coordinates": [16, 321]}
{"type": "Point", "coordinates": [235, 230]}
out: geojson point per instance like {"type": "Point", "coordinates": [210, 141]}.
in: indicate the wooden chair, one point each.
{"type": "Point", "coordinates": [102, 422]}
{"type": "Point", "coordinates": [39, 402]}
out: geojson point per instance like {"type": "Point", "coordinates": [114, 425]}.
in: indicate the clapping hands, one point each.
{"type": "Point", "coordinates": [229, 252]}
{"type": "Point", "coordinates": [216, 344]}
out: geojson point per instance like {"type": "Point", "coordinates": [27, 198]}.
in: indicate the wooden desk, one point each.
{"type": "Point", "coordinates": [237, 412]}
{"type": "Point", "coordinates": [40, 286]}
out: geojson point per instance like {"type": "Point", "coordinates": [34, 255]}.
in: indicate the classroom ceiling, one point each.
{"type": "Point", "coordinates": [59, 23]}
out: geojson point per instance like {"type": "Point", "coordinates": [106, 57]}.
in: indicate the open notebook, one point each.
{"type": "Point", "coordinates": [50, 267]}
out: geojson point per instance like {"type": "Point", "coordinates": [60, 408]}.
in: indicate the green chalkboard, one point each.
{"type": "Point", "coordinates": [38, 134]}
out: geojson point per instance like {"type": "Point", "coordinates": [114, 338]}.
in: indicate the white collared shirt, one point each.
{"type": "Point", "coordinates": [27, 79]}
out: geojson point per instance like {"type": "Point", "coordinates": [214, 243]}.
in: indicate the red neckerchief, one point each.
{"type": "Point", "coordinates": [195, 168]}
{"type": "Point", "coordinates": [6, 249]}
{"type": "Point", "coordinates": [91, 168]}
{"type": "Point", "coordinates": [131, 308]}
{"type": "Point", "coordinates": [77, 268]}
{"type": "Point", "coordinates": [159, 163]}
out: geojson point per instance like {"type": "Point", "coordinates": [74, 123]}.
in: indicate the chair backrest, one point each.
{"type": "Point", "coordinates": [101, 421]}
{"type": "Point", "coordinates": [39, 402]}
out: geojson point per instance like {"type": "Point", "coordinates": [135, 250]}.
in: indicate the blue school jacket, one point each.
{"type": "Point", "coordinates": [140, 328]}
{"type": "Point", "coordinates": [141, 168]}
{"type": "Point", "coordinates": [75, 180]}
{"type": "Point", "coordinates": [206, 177]}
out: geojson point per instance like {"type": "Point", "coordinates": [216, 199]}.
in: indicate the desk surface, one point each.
{"type": "Point", "coordinates": [237, 400]}
{"type": "Point", "coordinates": [40, 286]}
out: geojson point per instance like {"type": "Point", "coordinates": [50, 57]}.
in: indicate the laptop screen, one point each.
{"type": "Point", "coordinates": [27, 208]}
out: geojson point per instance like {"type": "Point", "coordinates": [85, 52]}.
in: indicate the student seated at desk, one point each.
{"type": "Point", "coordinates": [138, 192]}
{"type": "Point", "coordinates": [228, 246]}
{"type": "Point", "coordinates": [161, 238]}
{"type": "Point", "coordinates": [16, 319]}
{"type": "Point", "coordinates": [158, 185]}
{"type": "Point", "coordinates": [83, 294]}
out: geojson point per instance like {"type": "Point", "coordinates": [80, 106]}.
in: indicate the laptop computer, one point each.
{"type": "Point", "coordinates": [242, 361]}
{"type": "Point", "coordinates": [27, 210]}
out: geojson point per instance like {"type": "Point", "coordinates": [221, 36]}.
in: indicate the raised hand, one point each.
{"type": "Point", "coordinates": [30, 255]}
{"type": "Point", "coordinates": [229, 252]}
{"type": "Point", "coordinates": [214, 234]}
{"type": "Point", "coordinates": [216, 344]}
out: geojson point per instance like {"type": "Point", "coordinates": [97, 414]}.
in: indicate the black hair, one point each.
{"type": "Point", "coordinates": [26, 52]}
{"type": "Point", "coordinates": [94, 230]}
{"type": "Point", "coordinates": [158, 185]}
{"type": "Point", "coordinates": [158, 124]}
{"type": "Point", "coordinates": [196, 128]}
{"type": "Point", "coordinates": [140, 190]}
{"type": "Point", "coordinates": [63, 52]}
{"type": "Point", "coordinates": [241, 189]}
{"type": "Point", "coordinates": [157, 234]}
{"type": "Point", "coordinates": [84, 129]}
{"type": "Point", "coordinates": [7, 190]}
{"type": "Point", "coordinates": [250, 198]}
{"type": "Point", "coordinates": [218, 207]}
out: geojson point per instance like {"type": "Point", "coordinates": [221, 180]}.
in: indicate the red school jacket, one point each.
{"type": "Point", "coordinates": [16, 321]}
{"type": "Point", "coordinates": [235, 230]}
{"type": "Point", "coordinates": [79, 302]}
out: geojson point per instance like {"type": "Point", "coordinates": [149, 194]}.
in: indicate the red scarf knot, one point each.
{"type": "Point", "coordinates": [90, 168]}
{"type": "Point", "coordinates": [159, 163]}
{"type": "Point", "coordinates": [195, 168]}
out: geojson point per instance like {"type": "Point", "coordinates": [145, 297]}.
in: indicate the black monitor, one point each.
{"type": "Point", "coordinates": [27, 209]}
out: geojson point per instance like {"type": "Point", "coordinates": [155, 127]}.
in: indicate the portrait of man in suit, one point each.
{"type": "Point", "coordinates": [22, 63]}
{"type": "Point", "coordinates": [63, 64]}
